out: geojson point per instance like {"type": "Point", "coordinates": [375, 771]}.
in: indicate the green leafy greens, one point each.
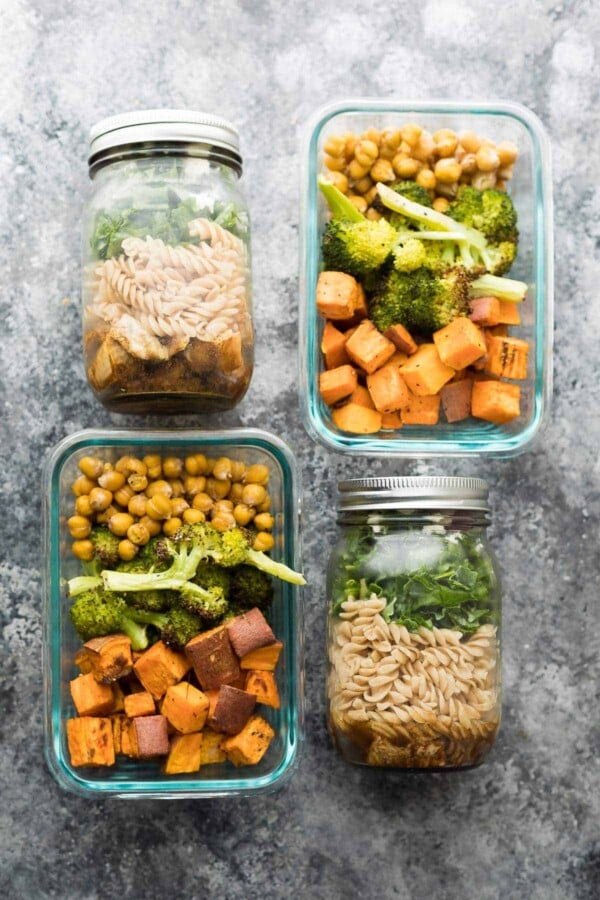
{"type": "Point", "coordinates": [455, 590]}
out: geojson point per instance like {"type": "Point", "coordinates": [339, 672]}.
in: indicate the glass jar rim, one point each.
{"type": "Point", "coordinates": [427, 492]}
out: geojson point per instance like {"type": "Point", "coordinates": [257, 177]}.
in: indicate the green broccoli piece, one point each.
{"type": "Point", "coordinates": [357, 247]}
{"type": "Point", "coordinates": [180, 627]}
{"type": "Point", "coordinates": [210, 604]}
{"type": "Point", "coordinates": [426, 218]}
{"type": "Point", "coordinates": [152, 601]}
{"type": "Point", "coordinates": [340, 207]}
{"type": "Point", "coordinates": [410, 190]}
{"type": "Point", "coordinates": [95, 613]}
{"type": "Point", "coordinates": [409, 254]}
{"type": "Point", "coordinates": [210, 575]}
{"type": "Point", "coordinates": [106, 546]}
{"type": "Point", "coordinates": [422, 301]}
{"type": "Point", "coordinates": [250, 587]}
{"type": "Point", "coordinates": [489, 211]}
{"type": "Point", "coordinates": [503, 288]}
{"type": "Point", "coordinates": [498, 259]}
{"type": "Point", "coordinates": [155, 555]}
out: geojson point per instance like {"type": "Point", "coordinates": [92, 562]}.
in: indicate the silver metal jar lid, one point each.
{"type": "Point", "coordinates": [413, 492]}
{"type": "Point", "coordinates": [180, 125]}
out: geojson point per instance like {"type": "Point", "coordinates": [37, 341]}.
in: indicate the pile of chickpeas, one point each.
{"type": "Point", "coordinates": [439, 162]}
{"type": "Point", "coordinates": [140, 498]}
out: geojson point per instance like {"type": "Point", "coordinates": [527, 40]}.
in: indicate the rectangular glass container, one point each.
{"type": "Point", "coordinates": [143, 778]}
{"type": "Point", "coordinates": [531, 192]}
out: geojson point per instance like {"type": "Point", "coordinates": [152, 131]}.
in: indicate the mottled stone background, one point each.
{"type": "Point", "coordinates": [524, 826]}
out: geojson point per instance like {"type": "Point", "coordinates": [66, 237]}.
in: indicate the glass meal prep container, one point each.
{"type": "Point", "coordinates": [144, 778]}
{"type": "Point", "coordinates": [530, 190]}
{"type": "Point", "coordinates": [413, 624]}
{"type": "Point", "coordinates": [167, 319]}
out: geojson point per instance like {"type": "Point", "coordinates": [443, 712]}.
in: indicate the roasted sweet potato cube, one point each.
{"type": "Point", "coordinates": [356, 418]}
{"type": "Point", "coordinates": [456, 399]}
{"type": "Point", "coordinates": [211, 751]}
{"type": "Point", "coordinates": [129, 744]}
{"type": "Point", "coordinates": [213, 697]}
{"type": "Point", "coordinates": [151, 735]}
{"type": "Point", "coordinates": [388, 389]}
{"type": "Point", "coordinates": [336, 384]}
{"type": "Point", "coordinates": [233, 709]}
{"type": "Point", "coordinates": [460, 343]}
{"type": "Point", "coordinates": [117, 730]}
{"type": "Point", "coordinates": [160, 667]}
{"type": "Point", "coordinates": [337, 295]}
{"type": "Point", "coordinates": [391, 421]}
{"type": "Point", "coordinates": [213, 659]}
{"type": "Point", "coordinates": [249, 746]}
{"type": "Point", "coordinates": [185, 751]}
{"type": "Point", "coordinates": [425, 373]}
{"type": "Point", "coordinates": [139, 704]}
{"type": "Point", "coordinates": [109, 658]}
{"type": "Point", "coordinates": [333, 347]}
{"type": "Point", "coordinates": [422, 410]}
{"type": "Point", "coordinates": [90, 697]}
{"type": "Point", "coordinates": [485, 311]}
{"type": "Point", "coordinates": [264, 659]}
{"type": "Point", "coordinates": [361, 397]}
{"type": "Point", "coordinates": [402, 339]}
{"type": "Point", "coordinates": [507, 357]}
{"type": "Point", "coordinates": [496, 401]}
{"type": "Point", "coordinates": [264, 688]}
{"type": "Point", "coordinates": [368, 348]}
{"type": "Point", "coordinates": [90, 741]}
{"type": "Point", "coordinates": [249, 632]}
{"type": "Point", "coordinates": [185, 707]}
{"type": "Point", "coordinates": [509, 313]}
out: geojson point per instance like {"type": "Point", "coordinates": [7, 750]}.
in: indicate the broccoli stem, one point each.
{"type": "Point", "coordinates": [182, 569]}
{"type": "Point", "coordinates": [430, 217]}
{"type": "Point", "coordinates": [496, 286]}
{"type": "Point", "coordinates": [83, 583]}
{"type": "Point", "coordinates": [279, 570]}
{"type": "Point", "coordinates": [340, 207]}
{"type": "Point", "coordinates": [136, 633]}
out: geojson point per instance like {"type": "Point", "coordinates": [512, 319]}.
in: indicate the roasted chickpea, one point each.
{"type": "Point", "coordinates": [363, 185]}
{"type": "Point", "coordinates": [82, 506]}
{"type": "Point", "coordinates": [176, 487]}
{"type": "Point", "coordinates": [366, 153]}
{"type": "Point", "coordinates": [391, 138]}
{"type": "Point", "coordinates": [194, 484]}
{"type": "Point", "coordinates": [264, 521]}
{"type": "Point", "coordinates": [153, 465]}
{"type": "Point", "coordinates": [426, 179]}
{"type": "Point", "coordinates": [191, 516]}
{"type": "Point", "coordinates": [487, 159]}
{"type": "Point", "coordinates": [159, 487]}
{"type": "Point", "coordinates": [111, 480]}
{"type": "Point", "coordinates": [124, 495]}
{"type": "Point", "coordinates": [468, 163]}
{"type": "Point", "coordinates": [222, 469]}
{"type": "Point", "coordinates": [484, 180]}
{"type": "Point", "coordinates": [79, 526]}
{"type": "Point", "coordinates": [335, 145]}
{"type": "Point", "coordinates": [253, 495]}
{"type": "Point", "coordinates": [447, 190]}
{"type": "Point", "coordinates": [411, 132]}
{"type": "Point", "coordinates": [137, 482]}
{"type": "Point", "coordinates": [441, 204]}
{"type": "Point", "coordinates": [405, 166]}
{"type": "Point", "coordinates": [83, 550]}
{"type": "Point", "coordinates": [203, 502]}
{"type": "Point", "coordinates": [335, 163]}
{"type": "Point", "coordinates": [100, 499]}
{"type": "Point", "coordinates": [127, 465]}
{"type": "Point", "coordinates": [359, 202]}
{"type": "Point", "coordinates": [172, 525]}
{"type": "Point", "coordinates": [265, 506]}
{"type": "Point", "coordinates": [223, 505]}
{"type": "Point", "coordinates": [127, 550]}
{"type": "Point", "coordinates": [138, 534]}
{"type": "Point", "coordinates": [82, 485]}
{"type": "Point", "coordinates": [370, 195]}
{"type": "Point", "coordinates": [158, 507]}
{"type": "Point", "coordinates": [507, 153]}
{"type": "Point", "coordinates": [153, 525]}
{"type": "Point", "coordinates": [178, 505]}
{"type": "Point", "coordinates": [425, 148]}
{"type": "Point", "coordinates": [196, 465]}
{"type": "Point", "coordinates": [223, 521]}
{"type": "Point", "coordinates": [470, 141]}
{"type": "Point", "coordinates": [506, 172]}
{"type": "Point", "coordinates": [373, 214]}
{"type": "Point", "coordinates": [350, 144]}
{"type": "Point", "coordinates": [235, 492]}
{"type": "Point", "coordinates": [447, 171]}
{"type": "Point", "coordinates": [263, 541]}
{"type": "Point", "coordinates": [218, 489]}
{"type": "Point", "coordinates": [103, 518]}
{"type": "Point", "coordinates": [371, 134]}
{"type": "Point", "coordinates": [446, 142]}
{"type": "Point", "coordinates": [172, 467]}
{"type": "Point", "coordinates": [382, 170]}
{"type": "Point", "coordinates": [120, 523]}
{"type": "Point", "coordinates": [238, 470]}
{"type": "Point", "coordinates": [356, 171]}
{"type": "Point", "coordinates": [91, 467]}
{"type": "Point", "coordinates": [243, 514]}
{"type": "Point", "coordinates": [339, 180]}
{"type": "Point", "coordinates": [137, 505]}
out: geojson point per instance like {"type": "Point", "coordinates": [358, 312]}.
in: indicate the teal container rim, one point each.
{"type": "Point", "coordinates": [171, 787]}
{"type": "Point", "coordinates": [505, 445]}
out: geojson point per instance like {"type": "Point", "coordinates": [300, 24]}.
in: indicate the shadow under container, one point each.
{"type": "Point", "coordinates": [413, 624]}
{"type": "Point", "coordinates": [167, 319]}
{"type": "Point", "coordinates": [131, 778]}
{"type": "Point", "coordinates": [530, 189]}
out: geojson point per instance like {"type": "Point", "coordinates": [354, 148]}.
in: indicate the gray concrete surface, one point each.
{"type": "Point", "coordinates": [525, 825]}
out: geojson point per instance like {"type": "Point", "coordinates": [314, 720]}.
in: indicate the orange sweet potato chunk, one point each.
{"type": "Point", "coordinates": [509, 313]}
{"type": "Point", "coordinates": [90, 741]}
{"type": "Point", "coordinates": [368, 348]}
{"type": "Point", "coordinates": [356, 419]}
{"type": "Point", "coordinates": [91, 698]}
{"type": "Point", "coordinates": [496, 401]}
{"type": "Point", "coordinates": [160, 667]}
{"type": "Point", "coordinates": [337, 295]}
{"type": "Point", "coordinates": [185, 707]}
{"type": "Point", "coordinates": [456, 399]}
{"type": "Point", "coordinates": [264, 658]}
{"type": "Point", "coordinates": [402, 339]}
{"type": "Point", "coordinates": [185, 754]}
{"type": "Point", "coordinates": [425, 373]}
{"type": "Point", "coordinates": [336, 384]}
{"type": "Point", "coordinates": [391, 421]}
{"type": "Point", "coordinates": [422, 410]}
{"type": "Point", "coordinates": [264, 688]}
{"type": "Point", "coordinates": [388, 389]}
{"type": "Point", "coordinates": [139, 704]}
{"type": "Point", "coordinates": [211, 751]}
{"type": "Point", "coordinates": [362, 397]}
{"type": "Point", "coordinates": [460, 343]}
{"type": "Point", "coordinates": [333, 347]}
{"type": "Point", "coordinates": [249, 746]}
{"type": "Point", "coordinates": [507, 357]}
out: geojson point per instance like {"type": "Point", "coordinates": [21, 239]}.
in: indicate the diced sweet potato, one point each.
{"type": "Point", "coordinates": [333, 347]}
{"type": "Point", "coordinates": [507, 357]}
{"type": "Point", "coordinates": [213, 659]}
{"type": "Point", "coordinates": [139, 704]}
{"type": "Point", "coordinates": [398, 359]}
{"type": "Point", "coordinates": [249, 746]}
{"type": "Point", "coordinates": [368, 348]}
{"type": "Point", "coordinates": [117, 730]}
{"type": "Point", "coordinates": [460, 343]}
{"type": "Point", "coordinates": [391, 421]}
{"type": "Point", "coordinates": [185, 754]}
{"type": "Point", "coordinates": [185, 707]}
{"type": "Point", "coordinates": [361, 310]}
{"type": "Point", "coordinates": [388, 389]}
{"type": "Point", "coordinates": [425, 373]}
{"type": "Point", "coordinates": [211, 751]}
{"type": "Point", "coordinates": [496, 331]}
{"type": "Point", "coordinates": [402, 339]}
{"type": "Point", "coordinates": [213, 697]}
{"type": "Point", "coordinates": [509, 313]}
{"type": "Point", "coordinates": [456, 399]}
{"type": "Point", "coordinates": [356, 419]}
{"type": "Point", "coordinates": [335, 384]}
{"type": "Point", "coordinates": [249, 632]}
{"type": "Point", "coordinates": [485, 311]}
{"type": "Point", "coordinates": [152, 736]}
{"type": "Point", "coordinates": [90, 697]}
{"type": "Point", "coordinates": [90, 741]}
{"type": "Point", "coordinates": [337, 295]}
{"type": "Point", "coordinates": [129, 744]}
{"type": "Point", "coordinates": [160, 667]}
{"type": "Point", "coordinates": [264, 687]}
{"type": "Point", "coordinates": [234, 708]}
{"type": "Point", "coordinates": [495, 401]}
{"type": "Point", "coordinates": [362, 397]}
{"type": "Point", "coordinates": [422, 410]}
{"type": "Point", "coordinates": [264, 659]}
{"type": "Point", "coordinates": [108, 658]}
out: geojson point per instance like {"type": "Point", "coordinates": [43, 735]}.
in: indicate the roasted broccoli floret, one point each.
{"type": "Point", "coordinates": [422, 301]}
{"type": "Point", "coordinates": [208, 603]}
{"type": "Point", "coordinates": [498, 259]}
{"type": "Point", "coordinates": [209, 575]}
{"type": "Point", "coordinates": [503, 288]}
{"type": "Point", "coordinates": [410, 190]}
{"type": "Point", "coordinates": [250, 587]}
{"type": "Point", "coordinates": [180, 627]}
{"type": "Point", "coordinates": [340, 207]}
{"type": "Point", "coordinates": [106, 546]}
{"type": "Point", "coordinates": [155, 555]}
{"type": "Point", "coordinates": [489, 211]}
{"type": "Point", "coordinates": [152, 601]}
{"type": "Point", "coordinates": [357, 247]}
{"type": "Point", "coordinates": [409, 254]}
{"type": "Point", "coordinates": [96, 613]}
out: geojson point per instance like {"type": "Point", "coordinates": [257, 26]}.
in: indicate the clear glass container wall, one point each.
{"type": "Point", "coordinates": [167, 309]}
{"type": "Point", "coordinates": [413, 639]}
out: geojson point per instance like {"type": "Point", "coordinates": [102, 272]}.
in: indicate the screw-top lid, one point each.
{"type": "Point", "coordinates": [180, 125]}
{"type": "Point", "coordinates": [413, 492]}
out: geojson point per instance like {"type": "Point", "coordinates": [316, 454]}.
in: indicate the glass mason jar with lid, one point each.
{"type": "Point", "coordinates": [167, 309]}
{"type": "Point", "coordinates": [414, 619]}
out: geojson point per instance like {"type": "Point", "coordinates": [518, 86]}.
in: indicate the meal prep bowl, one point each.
{"type": "Point", "coordinates": [143, 778]}
{"type": "Point", "coordinates": [531, 191]}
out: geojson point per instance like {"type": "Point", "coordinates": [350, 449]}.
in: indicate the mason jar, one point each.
{"type": "Point", "coordinates": [414, 624]}
{"type": "Point", "coordinates": [167, 320]}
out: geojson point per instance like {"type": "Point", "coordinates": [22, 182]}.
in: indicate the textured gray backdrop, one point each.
{"type": "Point", "coordinates": [526, 824]}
